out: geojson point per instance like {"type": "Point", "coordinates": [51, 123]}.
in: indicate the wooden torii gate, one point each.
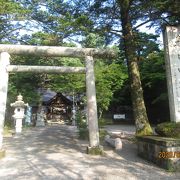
{"type": "Point", "coordinates": [87, 53]}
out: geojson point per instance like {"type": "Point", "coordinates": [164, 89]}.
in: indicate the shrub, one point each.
{"type": "Point", "coordinates": [82, 126]}
{"type": "Point", "coordinates": [80, 120]}
{"type": "Point", "coordinates": [102, 134]}
{"type": "Point", "coordinates": [168, 129]}
{"type": "Point", "coordinates": [83, 134]}
{"type": "Point", "coordinates": [101, 122]}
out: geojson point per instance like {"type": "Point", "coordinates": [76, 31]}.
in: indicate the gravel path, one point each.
{"type": "Point", "coordinates": [53, 152]}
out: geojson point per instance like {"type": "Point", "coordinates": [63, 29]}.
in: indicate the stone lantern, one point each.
{"type": "Point", "coordinates": [18, 115]}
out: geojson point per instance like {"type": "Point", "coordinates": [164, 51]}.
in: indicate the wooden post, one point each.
{"type": "Point", "coordinates": [91, 103]}
{"type": "Point", "coordinates": [4, 62]}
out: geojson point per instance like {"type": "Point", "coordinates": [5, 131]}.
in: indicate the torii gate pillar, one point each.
{"type": "Point", "coordinates": [4, 62]}
{"type": "Point", "coordinates": [94, 147]}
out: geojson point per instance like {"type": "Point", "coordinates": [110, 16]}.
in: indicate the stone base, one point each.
{"type": "Point", "coordinates": [2, 153]}
{"type": "Point", "coordinates": [164, 152]}
{"type": "Point", "coordinates": [95, 150]}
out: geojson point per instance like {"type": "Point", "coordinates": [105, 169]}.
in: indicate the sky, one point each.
{"type": "Point", "coordinates": [143, 28]}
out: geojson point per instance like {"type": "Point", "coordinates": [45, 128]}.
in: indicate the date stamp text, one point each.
{"type": "Point", "coordinates": [167, 155]}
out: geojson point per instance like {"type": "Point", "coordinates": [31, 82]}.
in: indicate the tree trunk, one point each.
{"type": "Point", "coordinates": [139, 110]}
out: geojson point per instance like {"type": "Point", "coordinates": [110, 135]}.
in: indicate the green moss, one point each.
{"type": "Point", "coordinates": [95, 150]}
{"type": "Point", "coordinates": [147, 130]}
{"type": "Point", "coordinates": [168, 129]}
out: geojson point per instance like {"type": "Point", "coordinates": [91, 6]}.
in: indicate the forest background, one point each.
{"type": "Point", "coordinates": [135, 79]}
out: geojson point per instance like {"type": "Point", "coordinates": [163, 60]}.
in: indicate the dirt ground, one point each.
{"type": "Point", "coordinates": [54, 152]}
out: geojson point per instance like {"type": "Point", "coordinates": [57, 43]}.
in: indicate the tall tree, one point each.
{"type": "Point", "coordinates": [139, 109]}
{"type": "Point", "coordinates": [128, 16]}
{"type": "Point", "coordinates": [132, 14]}
{"type": "Point", "coordinates": [155, 87]}
{"type": "Point", "coordinates": [11, 12]}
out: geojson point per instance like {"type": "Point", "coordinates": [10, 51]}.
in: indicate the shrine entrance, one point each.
{"type": "Point", "coordinates": [50, 51]}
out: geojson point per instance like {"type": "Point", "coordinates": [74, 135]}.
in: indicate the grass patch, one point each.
{"type": "Point", "coordinates": [95, 151]}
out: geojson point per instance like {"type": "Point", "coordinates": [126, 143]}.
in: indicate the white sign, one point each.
{"type": "Point", "coordinates": [119, 116]}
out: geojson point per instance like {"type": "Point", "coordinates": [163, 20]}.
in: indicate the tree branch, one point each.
{"type": "Point", "coordinates": [116, 32]}
{"type": "Point", "coordinates": [142, 24]}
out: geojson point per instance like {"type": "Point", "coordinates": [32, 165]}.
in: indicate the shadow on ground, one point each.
{"type": "Point", "coordinates": [54, 152]}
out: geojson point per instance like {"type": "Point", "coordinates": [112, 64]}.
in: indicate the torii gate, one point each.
{"type": "Point", "coordinates": [87, 53]}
